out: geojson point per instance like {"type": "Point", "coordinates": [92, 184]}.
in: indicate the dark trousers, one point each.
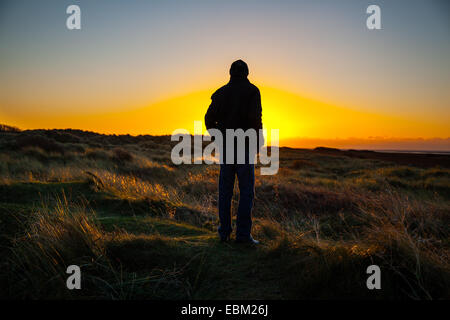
{"type": "Point", "coordinates": [246, 179]}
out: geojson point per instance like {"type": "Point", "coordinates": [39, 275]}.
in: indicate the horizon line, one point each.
{"type": "Point", "coordinates": [404, 144]}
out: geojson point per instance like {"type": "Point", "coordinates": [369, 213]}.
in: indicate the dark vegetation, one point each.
{"type": "Point", "coordinates": [143, 228]}
{"type": "Point", "coordinates": [5, 128]}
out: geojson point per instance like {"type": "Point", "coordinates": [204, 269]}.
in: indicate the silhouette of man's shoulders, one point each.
{"type": "Point", "coordinates": [225, 89]}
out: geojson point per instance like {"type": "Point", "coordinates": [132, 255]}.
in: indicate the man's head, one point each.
{"type": "Point", "coordinates": [239, 69]}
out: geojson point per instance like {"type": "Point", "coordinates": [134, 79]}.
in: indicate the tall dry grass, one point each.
{"type": "Point", "coordinates": [63, 234]}
{"type": "Point", "coordinates": [322, 217]}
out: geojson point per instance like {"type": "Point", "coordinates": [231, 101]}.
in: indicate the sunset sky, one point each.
{"type": "Point", "coordinates": [150, 67]}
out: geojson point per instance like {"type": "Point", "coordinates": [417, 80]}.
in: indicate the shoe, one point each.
{"type": "Point", "coordinates": [224, 239]}
{"type": "Point", "coordinates": [249, 240]}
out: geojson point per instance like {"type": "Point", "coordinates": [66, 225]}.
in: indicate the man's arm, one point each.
{"type": "Point", "coordinates": [211, 116]}
{"type": "Point", "coordinates": [255, 115]}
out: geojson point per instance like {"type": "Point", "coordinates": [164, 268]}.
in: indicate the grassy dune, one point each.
{"type": "Point", "coordinates": [141, 228]}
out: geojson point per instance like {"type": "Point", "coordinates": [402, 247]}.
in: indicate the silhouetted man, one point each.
{"type": "Point", "coordinates": [236, 105]}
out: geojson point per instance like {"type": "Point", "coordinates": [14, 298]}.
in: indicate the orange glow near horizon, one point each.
{"type": "Point", "coordinates": [150, 67]}
{"type": "Point", "coordinates": [296, 117]}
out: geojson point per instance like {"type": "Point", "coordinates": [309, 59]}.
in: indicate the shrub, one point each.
{"type": "Point", "coordinates": [312, 271]}
{"type": "Point", "coordinates": [34, 152]}
{"type": "Point", "coordinates": [401, 172]}
{"type": "Point", "coordinates": [409, 235]}
{"type": "Point", "coordinates": [437, 173]}
{"type": "Point", "coordinates": [62, 137]}
{"type": "Point", "coordinates": [77, 148]}
{"type": "Point", "coordinates": [96, 154]}
{"type": "Point", "coordinates": [53, 239]}
{"type": "Point", "coordinates": [122, 155]}
{"type": "Point", "coordinates": [44, 143]}
{"type": "Point", "coordinates": [306, 199]}
{"type": "Point", "coordinates": [5, 128]}
{"type": "Point", "coordinates": [303, 164]}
